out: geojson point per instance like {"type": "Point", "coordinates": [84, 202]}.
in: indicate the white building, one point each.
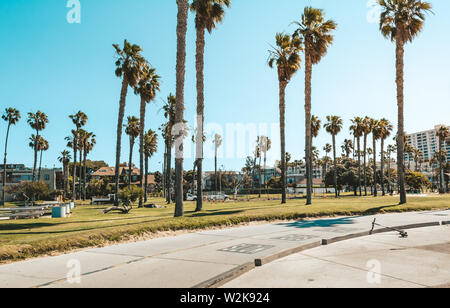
{"type": "Point", "coordinates": [427, 142]}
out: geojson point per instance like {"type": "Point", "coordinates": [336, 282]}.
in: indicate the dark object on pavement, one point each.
{"type": "Point", "coordinates": [403, 234]}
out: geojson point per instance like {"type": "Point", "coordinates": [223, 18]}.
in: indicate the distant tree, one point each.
{"type": "Point", "coordinates": [11, 116]}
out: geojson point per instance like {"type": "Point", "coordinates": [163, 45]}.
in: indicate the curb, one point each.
{"type": "Point", "coordinates": [234, 273]}
{"type": "Point", "coordinates": [222, 279]}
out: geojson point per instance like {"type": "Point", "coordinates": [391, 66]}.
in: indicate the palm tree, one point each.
{"type": "Point", "coordinates": [376, 134]}
{"type": "Point", "coordinates": [365, 125]}
{"type": "Point", "coordinates": [79, 119]}
{"type": "Point", "coordinates": [286, 56]}
{"type": "Point", "coordinates": [327, 148]}
{"type": "Point", "coordinates": [65, 159]}
{"type": "Point", "coordinates": [401, 21]}
{"type": "Point", "coordinates": [38, 121]}
{"type": "Point", "coordinates": [88, 144]}
{"type": "Point", "coordinates": [357, 131]}
{"type": "Point", "coordinates": [129, 64]}
{"type": "Point", "coordinates": [208, 13]}
{"type": "Point", "coordinates": [385, 131]}
{"type": "Point", "coordinates": [147, 88]}
{"type": "Point", "coordinates": [169, 114]}
{"type": "Point", "coordinates": [316, 124]}
{"type": "Point", "coordinates": [265, 146]}
{"type": "Point", "coordinates": [442, 133]}
{"type": "Point", "coordinates": [315, 33]}
{"type": "Point", "coordinates": [132, 129]}
{"type": "Point", "coordinates": [347, 148]}
{"type": "Point", "coordinates": [12, 116]}
{"type": "Point", "coordinates": [334, 127]}
{"type": "Point", "coordinates": [42, 146]}
{"type": "Point", "coordinates": [217, 144]}
{"type": "Point", "coordinates": [183, 9]}
{"type": "Point", "coordinates": [390, 149]}
{"type": "Point", "coordinates": [150, 148]}
{"type": "Point", "coordinates": [82, 137]}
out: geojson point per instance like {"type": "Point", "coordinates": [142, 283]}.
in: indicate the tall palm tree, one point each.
{"type": "Point", "coordinates": [12, 116]}
{"type": "Point", "coordinates": [147, 88]}
{"type": "Point", "coordinates": [390, 149]}
{"type": "Point", "coordinates": [79, 119]}
{"type": "Point", "coordinates": [357, 131]}
{"type": "Point", "coordinates": [129, 65]}
{"type": "Point", "coordinates": [132, 129]}
{"type": "Point", "coordinates": [366, 132]}
{"type": "Point", "coordinates": [265, 146]}
{"type": "Point", "coordinates": [401, 21]}
{"type": "Point", "coordinates": [316, 124]}
{"type": "Point", "coordinates": [65, 159]}
{"type": "Point", "coordinates": [327, 148]}
{"type": "Point", "coordinates": [150, 148]}
{"type": "Point", "coordinates": [183, 9]}
{"type": "Point", "coordinates": [169, 114]}
{"type": "Point", "coordinates": [38, 121]}
{"type": "Point", "coordinates": [42, 146]}
{"type": "Point", "coordinates": [208, 13]}
{"type": "Point", "coordinates": [442, 134]}
{"type": "Point", "coordinates": [286, 56]}
{"type": "Point", "coordinates": [315, 33]}
{"type": "Point", "coordinates": [376, 134]}
{"type": "Point", "coordinates": [385, 131]}
{"type": "Point", "coordinates": [88, 144]}
{"type": "Point", "coordinates": [347, 148]}
{"type": "Point", "coordinates": [217, 144]}
{"type": "Point", "coordinates": [334, 127]}
{"type": "Point", "coordinates": [82, 138]}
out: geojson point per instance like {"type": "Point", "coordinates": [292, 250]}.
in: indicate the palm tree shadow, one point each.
{"type": "Point", "coordinates": [377, 210]}
{"type": "Point", "coordinates": [323, 223]}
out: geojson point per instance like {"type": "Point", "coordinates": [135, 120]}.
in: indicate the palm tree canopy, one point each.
{"type": "Point", "coordinates": [286, 55]}
{"type": "Point", "coordinates": [209, 12]}
{"type": "Point", "coordinates": [334, 125]}
{"type": "Point", "coordinates": [79, 119]}
{"type": "Point", "coordinates": [217, 141]}
{"type": "Point", "coordinates": [357, 128]}
{"type": "Point", "coordinates": [129, 62]}
{"type": "Point", "coordinates": [316, 124]}
{"type": "Point", "coordinates": [132, 128]}
{"type": "Point", "coordinates": [150, 143]}
{"type": "Point", "coordinates": [148, 84]}
{"type": "Point", "coordinates": [404, 16]}
{"type": "Point", "coordinates": [316, 32]}
{"type": "Point", "coordinates": [375, 128]}
{"type": "Point", "coordinates": [442, 133]}
{"type": "Point", "coordinates": [65, 157]}
{"type": "Point", "coordinates": [366, 125]}
{"type": "Point", "coordinates": [38, 121]}
{"type": "Point", "coordinates": [11, 115]}
{"type": "Point", "coordinates": [385, 128]}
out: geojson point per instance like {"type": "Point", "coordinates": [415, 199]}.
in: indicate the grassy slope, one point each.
{"type": "Point", "coordinates": [88, 226]}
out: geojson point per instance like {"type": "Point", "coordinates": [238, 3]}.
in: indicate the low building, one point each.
{"type": "Point", "coordinates": [110, 172]}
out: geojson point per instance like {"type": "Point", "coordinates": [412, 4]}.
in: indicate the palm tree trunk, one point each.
{"type": "Point", "coordinates": [215, 169]}
{"type": "Point", "coordinates": [40, 164]}
{"type": "Point", "coordinates": [365, 165]}
{"type": "Point", "coordinates": [183, 7]}
{"type": "Point", "coordinates": [4, 166]}
{"type": "Point", "coordinates": [199, 66]}
{"type": "Point", "coordinates": [146, 179]}
{"type": "Point", "coordinates": [84, 173]}
{"type": "Point", "coordinates": [169, 174]}
{"type": "Point", "coordinates": [130, 162]}
{"type": "Point", "coordinates": [74, 171]}
{"type": "Point", "coordinates": [260, 182]}
{"type": "Point", "coordinates": [335, 166]}
{"type": "Point", "coordinates": [308, 138]}
{"type": "Point", "coordinates": [382, 168]}
{"type": "Point", "coordinates": [359, 165]}
{"type": "Point", "coordinates": [80, 178]}
{"type": "Point", "coordinates": [141, 147]}
{"type": "Point", "coordinates": [35, 155]}
{"type": "Point", "coordinates": [441, 169]}
{"type": "Point", "coordinates": [123, 96]}
{"type": "Point", "coordinates": [400, 52]}
{"type": "Point", "coordinates": [283, 140]}
{"type": "Point", "coordinates": [375, 192]}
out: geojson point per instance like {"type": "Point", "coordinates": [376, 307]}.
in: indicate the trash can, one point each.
{"type": "Point", "coordinates": [68, 209]}
{"type": "Point", "coordinates": [59, 212]}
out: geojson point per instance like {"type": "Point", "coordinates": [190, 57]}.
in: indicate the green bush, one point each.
{"type": "Point", "coordinates": [130, 195]}
{"type": "Point", "coordinates": [29, 191]}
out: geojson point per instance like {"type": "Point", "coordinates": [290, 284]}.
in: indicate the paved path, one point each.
{"type": "Point", "coordinates": [190, 259]}
{"type": "Point", "coordinates": [382, 260]}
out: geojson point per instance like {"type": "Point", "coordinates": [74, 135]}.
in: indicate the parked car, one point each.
{"type": "Point", "coordinates": [218, 197]}
{"type": "Point", "coordinates": [190, 197]}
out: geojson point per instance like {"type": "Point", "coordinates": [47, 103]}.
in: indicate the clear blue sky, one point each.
{"type": "Point", "coordinates": [60, 68]}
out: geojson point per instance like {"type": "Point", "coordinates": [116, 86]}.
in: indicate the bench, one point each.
{"type": "Point", "coordinates": [24, 212]}
{"type": "Point", "coordinates": [96, 200]}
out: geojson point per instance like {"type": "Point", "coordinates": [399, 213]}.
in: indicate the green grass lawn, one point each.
{"type": "Point", "coordinates": [88, 226]}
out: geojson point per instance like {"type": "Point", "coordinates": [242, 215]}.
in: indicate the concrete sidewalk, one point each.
{"type": "Point", "coordinates": [378, 261]}
{"type": "Point", "coordinates": [191, 259]}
